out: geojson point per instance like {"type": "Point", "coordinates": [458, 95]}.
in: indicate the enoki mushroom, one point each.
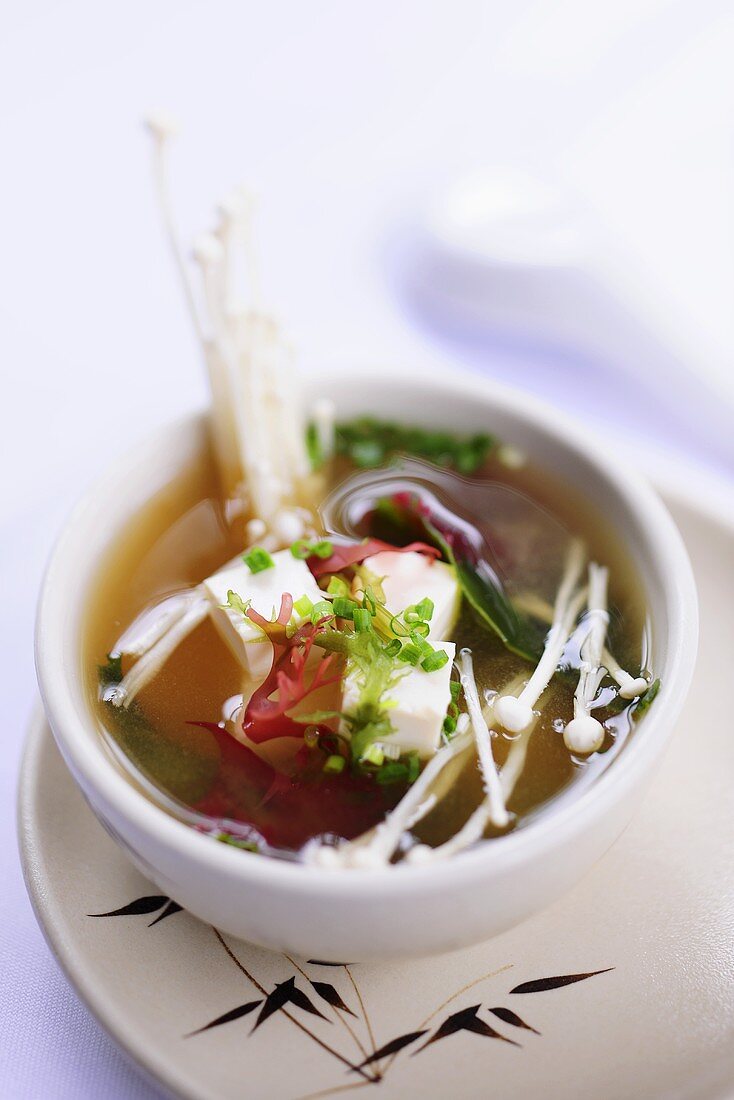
{"type": "Point", "coordinates": [515, 713]}
{"type": "Point", "coordinates": [256, 411]}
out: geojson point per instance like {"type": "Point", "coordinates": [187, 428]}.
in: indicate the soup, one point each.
{"type": "Point", "coordinates": [358, 643]}
{"type": "Point", "coordinates": [292, 783]}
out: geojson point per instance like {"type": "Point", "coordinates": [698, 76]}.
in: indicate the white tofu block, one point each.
{"type": "Point", "coordinates": [408, 578]}
{"type": "Point", "coordinates": [264, 591]}
{"type": "Point", "coordinates": [420, 700]}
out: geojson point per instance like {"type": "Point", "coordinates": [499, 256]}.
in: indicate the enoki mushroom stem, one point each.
{"type": "Point", "coordinates": [415, 804]}
{"type": "Point", "coordinates": [516, 713]}
{"type": "Point", "coordinates": [256, 409]}
{"type": "Point", "coordinates": [585, 734]}
{"type": "Point", "coordinates": [497, 809]}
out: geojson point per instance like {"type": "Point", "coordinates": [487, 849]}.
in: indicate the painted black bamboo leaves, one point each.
{"type": "Point", "coordinates": [145, 906]}
{"type": "Point", "coordinates": [286, 993]}
{"type": "Point", "coordinates": [292, 1000]}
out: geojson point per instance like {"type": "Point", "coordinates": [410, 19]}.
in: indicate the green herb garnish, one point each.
{"type": "Point", "coordinates": [373, 754]}
{"type": "Point", "coordinates": [305, 548]}
{"type": "Point", "coordinates": [321, 610]}
{"type": "Point", "coordinates": [303, 605]}
{"type": "Point", "coordinates": [452, 711]}
{"type": "Point", "coordinates": [410, 654]}
{"type": "Point", "coordinates": [362, 619]}
{"type": "Point", "coordinates": [343, 607]}
{"type": "Point", "coordinates": [236, 603]}
{"type": "Point", "coordinates": [258, 560]}
{"type": "Point", "coordinates": [337, 586]}
{"type": "Point", "coordinates": [368, 442]}
{"type": "Point", "coordinates": [435, 660]}
{"type": "Point", "coordinates": [419, 612]}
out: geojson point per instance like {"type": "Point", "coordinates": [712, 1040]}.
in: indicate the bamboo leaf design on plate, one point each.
{"type": "Point", "coordinates": [171, 908]}
{"type": "Point", "coordinates": [540, 985]}
{"type": "Point", "coordinates": [465, 1020]}
{"type": "Point", "coordinates": [331, 996]}
{"type": "Point", "coordinates": [320, 962]}
{"type": "Point", "coordinates": [509, 1017]}
{"type": "Point", "coordinates": [393, 1047]}
{"type": "Point", "coordinates": [140, 907]}
{"type": "Point", "coordinates": [227, 1017]}
{"type": "Point", "coordinates": [286, 993]}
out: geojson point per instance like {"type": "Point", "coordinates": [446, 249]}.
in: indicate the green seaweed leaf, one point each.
{"type": "Point", "coordinates": [486, 596]}
{"type": "Point", "coordinates": [647, 700]}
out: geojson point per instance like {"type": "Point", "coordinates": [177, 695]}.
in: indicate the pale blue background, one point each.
{"type": "Point", "coordinates": [344, 116]}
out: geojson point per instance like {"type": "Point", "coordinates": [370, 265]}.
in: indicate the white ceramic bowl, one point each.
{"type": "Point", "coordinates": [349, 915]}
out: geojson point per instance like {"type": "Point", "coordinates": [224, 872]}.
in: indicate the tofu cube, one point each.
{"type": "Point", "coordinates": [407, 578]}
{"type": "Point", "coordinates": [417, 702]}
{"type": "Point", "coordinates": [264, 591]}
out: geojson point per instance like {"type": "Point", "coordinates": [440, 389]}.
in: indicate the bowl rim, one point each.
{"type": "Point", "coordinates": [503, 854]}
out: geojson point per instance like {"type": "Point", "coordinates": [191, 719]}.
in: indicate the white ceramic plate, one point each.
{"type": "Point", "coordinates": [624, 988]}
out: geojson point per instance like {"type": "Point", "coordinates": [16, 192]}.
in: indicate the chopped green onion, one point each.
{"type": "Point", "coordinates": [455, 689]}
{"type": "Point", "coordinates": [419, 630]}
{"type": "Point", "coordinates": [399, 629]}
{"type": "Point", "coordinates": [410, 654]}
{"type": "Point", "coordinates": [449, 725]}
{"type": "Point", "coordinates": [419, 641]}
{"type": "Point", "coordinates": [425, 609]}
{"type": "Point", "coordinates": [368, 442]}
{"type": "Point", "coordinates": [334, 764]}
{"type": "Point", "coordinates": [338, 586]}
{"type": "Point", "coordinates": [373, 754]}
{"type": "Point", "coordinates": [414, 767]}
{"type": "Point", "coordinates": [434, 660]}
{"type": "Point", "coordinates": [362, 619]}
{"type": "Point", "coordinates": [393, 648]}
{"type": "Point", "coordinates": [419, 612]}
{"type": "Point", "coordinates": [303, 605]}
{"type": "Point", "coordinates": [257, 560]}
{"type": "Point", "coordinates": [303, 549]}
{"type": "Point", "coordinates": [321, 610]}
{"type": "Point", "coordinates": [343, 608]}
{"type": "Point", "coordinates": [369, 601]}
{"type": "Point", "coordinates": [391, 773]}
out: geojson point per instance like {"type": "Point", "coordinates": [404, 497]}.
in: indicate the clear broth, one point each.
{"type": "Point", "coordinates": [180, 538]}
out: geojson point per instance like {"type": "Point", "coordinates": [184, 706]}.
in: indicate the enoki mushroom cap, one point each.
{"type": "Point", "coordinates": [512, 713]}
{"type": "Point", "coordinates": [584, 734]}
{"type": "Point", "coordinates": [161, 125]}
{"type": "Point", "coordinates": [419, 855]}
{"type": "Point", "coordinates": [634, 688]}
{"type": "Point", "coordinates": [367, 859]}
